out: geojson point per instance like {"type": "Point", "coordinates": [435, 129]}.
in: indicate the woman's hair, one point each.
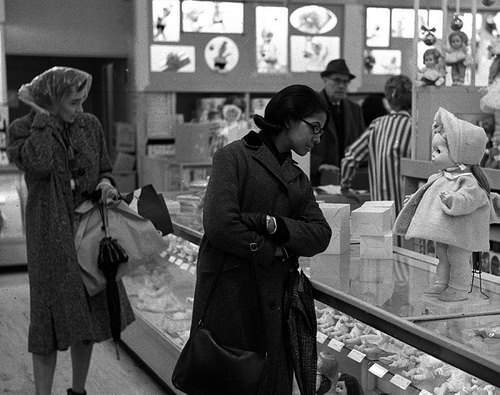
{"type": "Point", "coordinates": [351, 384]}
{"type": "Point", "coordinates": [373, 107]}
{"type": "Point", "coordinates": [398, 92]}
{"type": "Point", "coordinates": [434, 52]}
{"type": "Point", "coordinates": [290, 104]}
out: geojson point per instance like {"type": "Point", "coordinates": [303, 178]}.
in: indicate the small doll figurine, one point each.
{"type": "Point", "coordinates": [490, 101]}
{"type": "Point", "coordinates": [457, 56]}
{"type": "Point", "coordinates": [433, 72]}
{"type": "Point", "coordinates": [326, 376]}
{"type": "Point", "coordinates": [453, 207]}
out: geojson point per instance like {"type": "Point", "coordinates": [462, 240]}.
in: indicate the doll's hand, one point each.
{"type": "Point", "coordinates": [406, 199]}
{"type": "Point", "coordinates": [446, 198]}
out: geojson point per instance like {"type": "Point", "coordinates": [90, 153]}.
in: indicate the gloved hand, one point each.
{"type": "Point", "coordinates": [108, 191]}
{"type": "Point", "coordinates": [255, 221]}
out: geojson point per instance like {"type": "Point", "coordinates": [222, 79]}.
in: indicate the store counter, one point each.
{"type": "Point", "coordinates": [372, 315]}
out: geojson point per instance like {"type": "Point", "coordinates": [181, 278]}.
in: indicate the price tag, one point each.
{"type": "Point", "coordinates": [192, 270]}
{"type": "Point", "coordinates": [179, 262]}
{"type": "Point", "coordinates": [377, 370]}
{"type": "Point", "coordinates": [171, 259]}
{"type": "Point", "coordinates": [400, 381]}
{"type": "Point", "coordinates": [335, 344]}
{"type": "Point", "coordinates": [425, 392]}
{"type": "Point", "coordinates": [356, 355]}
{"type": "Point", "coordinates": [184, 266]}
{"type": "Point", "coordinates": [163, 254]}
{"type": "Point", "coordinates": [321, 337]}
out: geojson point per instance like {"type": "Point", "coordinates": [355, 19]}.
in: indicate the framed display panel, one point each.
{"type": "Point", "coordinates": [243, 75]}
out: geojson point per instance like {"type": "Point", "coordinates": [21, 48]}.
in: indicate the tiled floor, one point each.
{"type": "Point", "coordinates": [107, 375]}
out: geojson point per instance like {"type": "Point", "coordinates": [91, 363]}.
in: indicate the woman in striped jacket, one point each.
{"type": "Point", "coordinates": [382, 145]}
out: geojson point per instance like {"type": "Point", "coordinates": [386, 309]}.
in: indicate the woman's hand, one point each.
{"type": "Point", "coordinates": [108, 191]}
{"type": "Point", "coordinates": [446, 198]}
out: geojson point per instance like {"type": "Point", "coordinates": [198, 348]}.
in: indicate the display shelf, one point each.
{"type": "Point", "coordinates": [366, 291]}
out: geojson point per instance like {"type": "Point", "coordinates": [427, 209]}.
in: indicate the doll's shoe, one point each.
{"type": "Point", "coordinates": [436, 289]}
{"type": "Point", "coordinates": [453, 295]}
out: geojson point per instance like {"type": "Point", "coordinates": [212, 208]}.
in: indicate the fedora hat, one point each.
{"type": "Point", "coordinates": [337, 66]}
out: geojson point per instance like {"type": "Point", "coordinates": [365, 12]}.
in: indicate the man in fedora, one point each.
{"type": "Point", "coordinates": [345, 124]}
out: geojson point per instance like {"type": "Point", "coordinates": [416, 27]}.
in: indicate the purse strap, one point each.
{"type": "Point", "coordinates": [253, 249]}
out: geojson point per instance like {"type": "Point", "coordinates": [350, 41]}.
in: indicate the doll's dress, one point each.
{"type": "Point", "coordinates": [455, 56]}
{"type": "Point", "coordinates": [430, 76]}
{"type": "Point", "coordinates": [490, 102]}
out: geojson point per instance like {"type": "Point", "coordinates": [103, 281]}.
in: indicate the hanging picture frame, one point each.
{"type": "Point", "coordinates": [212, 17]}
{"type": "Point", "coordinates": [166, 20]}
{"type": "Point", "coordinates": [271, 40]}
{"type": "Point", "coordinates": [221, 54]}
{"type": "Point", "coordinates": [172, 58]}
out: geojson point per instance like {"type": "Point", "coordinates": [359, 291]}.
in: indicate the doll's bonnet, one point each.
{"type": "Point", "coordinates": [466, 142]}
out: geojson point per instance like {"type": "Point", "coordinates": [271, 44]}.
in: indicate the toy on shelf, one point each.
{"type": "Point", "coordinates": [453, 207]}
{"type": "Point", "coordinates": [354, 335]}
{"type": "Point", "coordinates": [433, 72]}
{"type": "Point", "coordinates": [425, 369]}
{"type": "Point", "coordinates": [457, 56]}
{"type": "Point", "coordinates": [457, 381]}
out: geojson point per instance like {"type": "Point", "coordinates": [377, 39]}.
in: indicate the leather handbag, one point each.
{"type": "Point", "coordinates": [206, 366]}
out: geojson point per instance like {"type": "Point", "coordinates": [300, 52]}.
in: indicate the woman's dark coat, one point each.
{"type": "Point", "coordinates": [247, 178]}
{"type": "Point", "coordinates": [61, 310]}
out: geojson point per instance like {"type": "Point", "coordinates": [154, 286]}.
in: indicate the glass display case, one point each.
{"type": "Point", "coordinates": [372, 316]}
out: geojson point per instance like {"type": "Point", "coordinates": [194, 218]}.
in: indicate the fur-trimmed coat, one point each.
{"type": "Point", "coordinates": [61, 312]}
{"type": "Point", "coordinates": [247, 178]}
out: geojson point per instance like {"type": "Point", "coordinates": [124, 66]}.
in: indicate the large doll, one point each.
{"type": "Point", "coordinates": [453, 207]}
{"type": "Point", "coordinates": [457, 56]}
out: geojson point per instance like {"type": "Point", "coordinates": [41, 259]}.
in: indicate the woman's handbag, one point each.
{"type": "Point", "coordinates": [206, 366]}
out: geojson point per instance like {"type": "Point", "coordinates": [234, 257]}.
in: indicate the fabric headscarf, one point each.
{"type": "Point", "coordinates": [48, 89]}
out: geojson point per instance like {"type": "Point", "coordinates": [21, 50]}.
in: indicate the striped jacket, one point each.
{"type": "Point", "coordinates": [382, 145]}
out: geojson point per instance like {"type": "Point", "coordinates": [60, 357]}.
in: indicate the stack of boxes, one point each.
{"type": "Point", "coordinates": [373, 223]}
{"type": "Point", "coordinates": [337, 216]}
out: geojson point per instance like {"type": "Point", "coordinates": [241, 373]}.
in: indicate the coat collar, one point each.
{"type": "Point", "coordinates": [262, 154]}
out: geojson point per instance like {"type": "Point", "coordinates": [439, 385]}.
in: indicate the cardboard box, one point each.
{"type": "Point", "coordinates": [371, 221]}
{"type": "Point", "coordinates": [384, 204]}
{"type": "Point", "coordinates": [125, 137]}
{"type": "Point", "coordinates": [337, 216]}
{"type": "Point", "coordinates": [192, 141]}
{"type": "Point", "coordinates": [376, 247]}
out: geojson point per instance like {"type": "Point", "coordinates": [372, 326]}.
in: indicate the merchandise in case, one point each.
{"type": "Point", "coordinates": [371, 314]}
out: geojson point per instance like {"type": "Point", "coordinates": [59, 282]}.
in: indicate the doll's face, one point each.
{"type": "Point", "coordinates": [456, 42]}
{"type": "Point", "coordinates": [340, 388]}
{"type": "Point", "coordinates": [440, 152]}
{"type": "Point", "coordinates": [429, 61]}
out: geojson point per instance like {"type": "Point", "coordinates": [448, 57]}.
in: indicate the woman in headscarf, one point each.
{"type": "Point", "coordinates": [62, 152]}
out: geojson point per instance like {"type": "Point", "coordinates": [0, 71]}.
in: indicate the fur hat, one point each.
{"type": "Point", "coordinates": [466, 142]}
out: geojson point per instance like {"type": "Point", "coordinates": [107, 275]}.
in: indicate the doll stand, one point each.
{"type": "Point", "coordinates": [476, 269]}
